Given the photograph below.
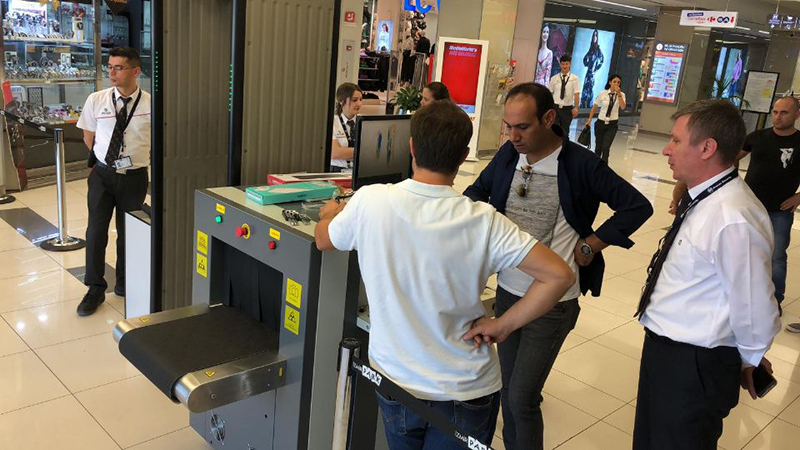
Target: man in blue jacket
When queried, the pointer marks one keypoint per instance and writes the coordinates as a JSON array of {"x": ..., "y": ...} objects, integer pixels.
[{"x": 551, "y": 188}]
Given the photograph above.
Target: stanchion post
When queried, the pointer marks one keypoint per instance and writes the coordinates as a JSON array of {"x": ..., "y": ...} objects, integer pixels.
[
  {"x": 62, "y": 243},
  {"x": 4, "y": 198},
  {"x": 345, "y": 393}
]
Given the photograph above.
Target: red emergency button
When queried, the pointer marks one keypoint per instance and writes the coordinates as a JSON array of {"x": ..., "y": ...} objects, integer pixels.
[
  {"x": 243, "y": 231},
  {"x": 272, "y": 245}
]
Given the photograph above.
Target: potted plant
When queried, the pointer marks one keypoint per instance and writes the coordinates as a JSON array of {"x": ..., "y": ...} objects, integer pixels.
[{"x": 407, "y": 100}]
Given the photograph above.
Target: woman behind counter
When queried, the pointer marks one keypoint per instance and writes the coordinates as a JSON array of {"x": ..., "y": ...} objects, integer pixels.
[
  {"x": 434, "y": 91},
  {"x": 611, "y": 101},
  {"x": 348, "y": 103}
]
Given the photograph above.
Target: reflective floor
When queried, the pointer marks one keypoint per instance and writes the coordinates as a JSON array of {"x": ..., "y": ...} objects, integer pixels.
[{"x": 63, "y": 383}]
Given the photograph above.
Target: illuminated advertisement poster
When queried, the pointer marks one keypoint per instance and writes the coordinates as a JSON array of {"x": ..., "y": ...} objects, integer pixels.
[
  {"x": 552, "y": 46},
  {"x": 591, "y": 59},
  {"x": 461, "y": 66},
  {"x": 666, "y": 72},
  {"x": 385, "y": 33}
]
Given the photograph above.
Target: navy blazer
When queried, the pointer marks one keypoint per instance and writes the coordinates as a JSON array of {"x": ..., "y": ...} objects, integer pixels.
[{"x": 584, "y": 181}]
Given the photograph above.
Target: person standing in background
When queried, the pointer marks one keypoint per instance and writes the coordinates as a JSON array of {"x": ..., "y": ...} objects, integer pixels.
[
  {"x": 116, "y": 128},
  {"x": 565, "y": 87},
  {"x": 611, "y": 101}
]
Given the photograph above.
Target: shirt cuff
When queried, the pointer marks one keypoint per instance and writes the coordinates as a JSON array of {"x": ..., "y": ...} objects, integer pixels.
[{"x": 751, "y": 357}]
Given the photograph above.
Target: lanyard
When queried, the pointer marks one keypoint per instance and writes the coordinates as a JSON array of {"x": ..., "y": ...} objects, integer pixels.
[
  {"x": 344, "y": 127},
  {"x": 713, "y": 188},
  {"x": 133, "y": 109}
]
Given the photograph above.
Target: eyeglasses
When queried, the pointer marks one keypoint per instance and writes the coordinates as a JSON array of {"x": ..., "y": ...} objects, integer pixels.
[
  {"x": 527, "y": 174},
  {"x": 118, "y": 68}
]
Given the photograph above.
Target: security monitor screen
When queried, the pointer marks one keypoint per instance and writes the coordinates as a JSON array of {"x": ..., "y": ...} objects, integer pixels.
[{"x": 382, "y": 153}]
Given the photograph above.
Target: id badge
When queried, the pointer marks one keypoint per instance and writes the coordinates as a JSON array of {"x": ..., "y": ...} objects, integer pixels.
[{"x": 123, "y": 163}]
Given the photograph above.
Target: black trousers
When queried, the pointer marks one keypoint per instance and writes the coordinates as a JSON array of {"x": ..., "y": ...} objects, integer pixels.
[
  {"x": 604, "y": 136},
  {"x": 684, "y": 393},
  {"x": 109, "y": 190},
  {"x": 564, "y": 118},
  {"x": 526, "y": 358}
]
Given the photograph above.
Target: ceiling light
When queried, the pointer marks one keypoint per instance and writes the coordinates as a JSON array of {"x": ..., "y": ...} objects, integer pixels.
[
  {"x": 742, "y": 28},
  {"x": 764, "y": 32},
  {"x": 621, "y": 5}
]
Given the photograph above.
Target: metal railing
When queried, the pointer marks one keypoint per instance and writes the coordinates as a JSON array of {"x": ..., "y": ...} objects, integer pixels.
[{"x": 63, "y": 242}]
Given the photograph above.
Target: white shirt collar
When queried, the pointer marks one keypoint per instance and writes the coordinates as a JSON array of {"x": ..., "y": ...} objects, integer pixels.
[
  {"x": 428, "y": 190},
  {"x": 550, "y": 159},
  {"x": 345, "y": 119},
  {"x": 119, "y": 95},
  {"x": 695, "y": 191}
]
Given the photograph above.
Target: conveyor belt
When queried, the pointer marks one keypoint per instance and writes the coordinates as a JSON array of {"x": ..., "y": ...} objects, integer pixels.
[{"x": 165, "y": 352}]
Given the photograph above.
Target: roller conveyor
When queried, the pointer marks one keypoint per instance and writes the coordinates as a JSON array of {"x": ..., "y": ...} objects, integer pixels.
[{"x": 204, "y": 357}]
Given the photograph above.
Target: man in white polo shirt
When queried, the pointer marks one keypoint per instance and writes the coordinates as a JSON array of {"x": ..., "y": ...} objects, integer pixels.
[
  {"x": 116, "y": 128},
  {"x": 425, "y": 253}
]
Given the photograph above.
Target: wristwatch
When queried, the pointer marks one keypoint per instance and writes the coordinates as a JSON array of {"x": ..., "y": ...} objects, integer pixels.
[{"x": 586, "y": 249}]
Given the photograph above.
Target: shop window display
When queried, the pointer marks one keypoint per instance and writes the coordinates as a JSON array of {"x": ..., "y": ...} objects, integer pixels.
[{"x": 553, "y": 45}]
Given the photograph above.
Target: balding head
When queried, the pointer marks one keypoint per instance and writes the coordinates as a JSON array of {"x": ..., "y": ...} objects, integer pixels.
[{"x": 785, "y": 112}]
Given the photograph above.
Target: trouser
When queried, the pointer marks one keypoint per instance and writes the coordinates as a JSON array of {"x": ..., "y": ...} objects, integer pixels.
[
  {"x": 685, "y": 392},
  {"x": 109, "y": 190},
  {"x": 603, "y": 137},
  {"x": 526, "y": 358},
  {"x": 408, "y": 431},
  {"x": 564, "y": 118},
  {"x": 782, "y": 225}
]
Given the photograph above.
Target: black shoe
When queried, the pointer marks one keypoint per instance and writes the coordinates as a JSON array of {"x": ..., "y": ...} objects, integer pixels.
[
  {"x": 120, "y": 291},
  {"x": 89, "y": 304}
]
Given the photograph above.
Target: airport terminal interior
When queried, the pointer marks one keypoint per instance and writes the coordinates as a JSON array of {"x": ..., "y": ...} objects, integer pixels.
[{"x": 97, "y": 382}]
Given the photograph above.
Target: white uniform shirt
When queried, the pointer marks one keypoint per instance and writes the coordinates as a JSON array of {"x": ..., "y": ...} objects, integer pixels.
[
  {"x": 564, "y": 237},
  {"x": 603, "y": 99},
  {"x": 715, "y": 288},
  {"x": 100, "y": 116},
  {"x": 573, "y": 87},
  {"x": 341, "y": 138},
  {"x": 425, "y": 254}
]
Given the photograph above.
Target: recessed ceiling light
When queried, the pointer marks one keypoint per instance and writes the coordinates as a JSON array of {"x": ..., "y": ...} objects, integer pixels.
[{"x": 621, "y": 5}]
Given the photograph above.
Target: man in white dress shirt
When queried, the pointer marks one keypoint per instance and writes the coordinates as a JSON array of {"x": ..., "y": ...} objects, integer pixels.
[
  {"x": 708, "y": 307},
  {"x": 566, "y": 89},
  {"x": 116, "y": 128}
]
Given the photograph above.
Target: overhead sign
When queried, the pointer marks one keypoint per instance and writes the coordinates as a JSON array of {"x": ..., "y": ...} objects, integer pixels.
[
  {"x": 417, "y": 6},
  {"x": 712, "y": 19},
  {"x": 783, "y": 22}
]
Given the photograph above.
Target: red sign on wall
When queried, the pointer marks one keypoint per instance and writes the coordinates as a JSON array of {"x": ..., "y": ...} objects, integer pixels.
[{"x": 350, "y": 17}]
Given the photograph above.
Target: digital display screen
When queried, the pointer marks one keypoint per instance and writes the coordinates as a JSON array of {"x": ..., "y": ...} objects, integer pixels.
[
  {"x": 666, "y": 72},
  {"x": 591, "y": 60},
  {"x": 382, "y": 153},
  {"x": 461, "y": 70}
]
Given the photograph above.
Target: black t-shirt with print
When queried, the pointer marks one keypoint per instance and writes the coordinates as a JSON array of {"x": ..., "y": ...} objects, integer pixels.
[{"x": 774, "y": 171}]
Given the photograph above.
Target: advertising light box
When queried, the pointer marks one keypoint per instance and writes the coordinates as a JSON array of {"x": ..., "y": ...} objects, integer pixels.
[{"x": 665, "y": 74}]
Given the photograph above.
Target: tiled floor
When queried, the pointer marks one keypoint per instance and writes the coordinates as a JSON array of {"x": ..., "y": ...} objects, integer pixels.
[{"x": 63, "y": 383}]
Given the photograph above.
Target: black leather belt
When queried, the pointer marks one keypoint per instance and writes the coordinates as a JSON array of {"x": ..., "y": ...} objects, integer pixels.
[{"x": 105, "y": 166}]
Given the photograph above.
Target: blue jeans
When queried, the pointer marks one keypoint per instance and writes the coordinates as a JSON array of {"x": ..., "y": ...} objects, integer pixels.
[
  {"x": 406, "y": 430},
  {"x": 782, "y": 224}
]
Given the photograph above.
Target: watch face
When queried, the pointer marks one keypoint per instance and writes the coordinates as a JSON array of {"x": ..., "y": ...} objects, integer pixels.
[{"x": 586, "y": 250}]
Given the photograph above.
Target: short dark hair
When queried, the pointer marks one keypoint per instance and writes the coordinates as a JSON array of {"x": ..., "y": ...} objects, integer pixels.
[
  {"x": 343, "y": 92},
  {"x": 611, "y": 78},
  {"x": 792, "y": 99},
  {"x": 439, "y": 91},
  {"x": 441, "y": 132},
  {"x": 128, "y": 53},
  {"x": 719, "y": 120},
  {"x": 566, "y": 58},
  {"x": 540, "y": 94}
]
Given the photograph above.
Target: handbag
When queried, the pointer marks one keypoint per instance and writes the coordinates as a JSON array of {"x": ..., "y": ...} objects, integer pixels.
[{"x": 585, "y": 138}]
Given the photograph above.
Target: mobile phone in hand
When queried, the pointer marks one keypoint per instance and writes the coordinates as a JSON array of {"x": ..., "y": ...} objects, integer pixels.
[{"x": 763, "y": 381}]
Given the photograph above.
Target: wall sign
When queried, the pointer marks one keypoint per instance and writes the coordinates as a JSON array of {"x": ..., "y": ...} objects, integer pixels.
[
  {"x": 415, "y": 5},
  {"x": 712, "y": 19},
  {"x": 666, "y": 72},
  {"x": 783, "y": 22},
  {"x": 759, "y": 90}
]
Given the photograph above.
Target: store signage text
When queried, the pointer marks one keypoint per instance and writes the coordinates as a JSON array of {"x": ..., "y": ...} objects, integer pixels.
[
  {"x": 783, "y": 22},
  {"x": 415, "y": 5},
  {"x": 711, "y": 19}
]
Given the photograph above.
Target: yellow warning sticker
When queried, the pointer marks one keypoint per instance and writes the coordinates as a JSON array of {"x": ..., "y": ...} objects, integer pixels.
[
  {"x": 294, "y": 292},
  {"x": 144, "y": 319},
  {"x": 202, "y": 265},
  {"x": 210, "y": 373},
  {"x": 220, "y": 208},
  {"x": 275, "y": 234},
  {"x": 291, "y": 320},
  {"x": 202, "y": 242}
]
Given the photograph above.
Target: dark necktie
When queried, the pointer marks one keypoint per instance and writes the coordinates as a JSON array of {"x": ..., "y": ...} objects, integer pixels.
[
  {"x": 351, "y": 137},
  {"x": 654, "y": 269},
  {"x": 611, "y": 98},
  {"x": 563, "y": 86},
  {"x": 117, "y": 137}
]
